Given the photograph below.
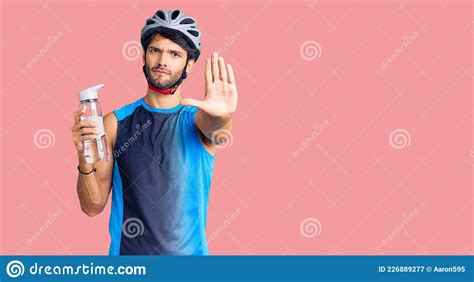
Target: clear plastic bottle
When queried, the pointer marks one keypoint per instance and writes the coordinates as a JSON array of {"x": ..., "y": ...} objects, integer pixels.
[{"x": 94, "y": 150}]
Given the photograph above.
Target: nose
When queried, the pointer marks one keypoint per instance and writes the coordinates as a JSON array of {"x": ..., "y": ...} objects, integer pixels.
[{"x": 162, "y": 60}]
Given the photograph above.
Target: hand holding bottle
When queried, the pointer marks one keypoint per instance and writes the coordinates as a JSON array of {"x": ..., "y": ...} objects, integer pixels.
[{"x": 83, "y": 130}]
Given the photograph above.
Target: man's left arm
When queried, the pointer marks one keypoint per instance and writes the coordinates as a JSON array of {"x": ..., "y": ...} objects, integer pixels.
[{"x": 220, "y": 101}]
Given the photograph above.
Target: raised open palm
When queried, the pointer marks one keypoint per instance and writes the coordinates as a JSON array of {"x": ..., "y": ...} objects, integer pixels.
[{"x": 220, "y": 91}]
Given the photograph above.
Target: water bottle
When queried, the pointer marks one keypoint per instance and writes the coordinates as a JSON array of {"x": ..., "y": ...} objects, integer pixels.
[{"x": 95, "y": 149}]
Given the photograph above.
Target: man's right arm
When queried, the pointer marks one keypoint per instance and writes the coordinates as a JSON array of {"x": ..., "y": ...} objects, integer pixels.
[{"x": 93, "y": 189}]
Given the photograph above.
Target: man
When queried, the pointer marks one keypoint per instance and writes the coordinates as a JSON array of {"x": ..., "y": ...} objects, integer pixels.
[{"x": 162, "y": 147}]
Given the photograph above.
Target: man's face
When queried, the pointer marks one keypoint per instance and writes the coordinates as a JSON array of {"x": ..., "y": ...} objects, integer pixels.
[{"x": 164, "y": 62}]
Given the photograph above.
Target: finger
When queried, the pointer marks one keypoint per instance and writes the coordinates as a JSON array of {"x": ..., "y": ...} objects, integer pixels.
[
  {"x": 230, "y": 72},
  {"x": 208, "y": 71},
  {"x": 191, "y": 102},
  {"x": 222, "y": 71},
  {"x": 214, "y": 66},
  {"x": 85, "y": 131},
  {"x": 87, "y": 137},
  {"x": 77, "y": 115},
  {"x": 84, "y": 123}
]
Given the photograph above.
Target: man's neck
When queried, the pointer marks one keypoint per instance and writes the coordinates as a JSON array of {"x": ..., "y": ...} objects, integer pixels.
[{"x": 162, "y": 101}]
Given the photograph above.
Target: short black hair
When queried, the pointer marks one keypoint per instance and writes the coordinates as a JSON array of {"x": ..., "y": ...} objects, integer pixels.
[{"x": 175, "y": 36}]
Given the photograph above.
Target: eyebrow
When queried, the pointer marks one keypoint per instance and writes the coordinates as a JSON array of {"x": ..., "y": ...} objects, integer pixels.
[{"x": 169, "y": 50}]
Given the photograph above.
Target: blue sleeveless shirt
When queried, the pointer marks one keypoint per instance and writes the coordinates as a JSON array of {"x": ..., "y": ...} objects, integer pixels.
[{"x": 161, "y": 180}]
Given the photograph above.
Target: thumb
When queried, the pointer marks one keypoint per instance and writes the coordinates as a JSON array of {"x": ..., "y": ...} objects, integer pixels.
[{"x": 191, "y": 102}]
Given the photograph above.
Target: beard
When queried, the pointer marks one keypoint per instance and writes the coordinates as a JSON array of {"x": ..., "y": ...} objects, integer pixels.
[{"x": 160, "y": 82}]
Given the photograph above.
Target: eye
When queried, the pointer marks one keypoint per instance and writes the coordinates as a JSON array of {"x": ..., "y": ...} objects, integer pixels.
[
  {"x": 175, "y": 54},
  {"x": 154, "y": 50}
]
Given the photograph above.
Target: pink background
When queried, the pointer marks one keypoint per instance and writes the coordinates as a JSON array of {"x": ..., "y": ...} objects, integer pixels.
[{"x": 336, "y": 149}]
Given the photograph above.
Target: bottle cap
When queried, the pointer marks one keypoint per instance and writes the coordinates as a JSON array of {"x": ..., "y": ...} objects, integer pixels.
[{"x": 90, "y": 93}]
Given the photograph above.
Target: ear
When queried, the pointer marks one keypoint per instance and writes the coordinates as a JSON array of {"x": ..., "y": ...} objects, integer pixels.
[
  {"x": 190, "y": 66},
  {"x": 143, "y": 58}
]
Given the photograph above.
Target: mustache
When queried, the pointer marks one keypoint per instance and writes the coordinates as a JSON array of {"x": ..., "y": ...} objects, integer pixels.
[{"x": 161, "y": 69}]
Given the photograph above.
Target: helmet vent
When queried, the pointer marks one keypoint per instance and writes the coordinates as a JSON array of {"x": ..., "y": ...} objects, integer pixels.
[
  {"x": 161, "y": 15},
  {"x": 187, "y": 21},
  {"x": 174, "y": 14},
  {"x": 193, "y": 32}
]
